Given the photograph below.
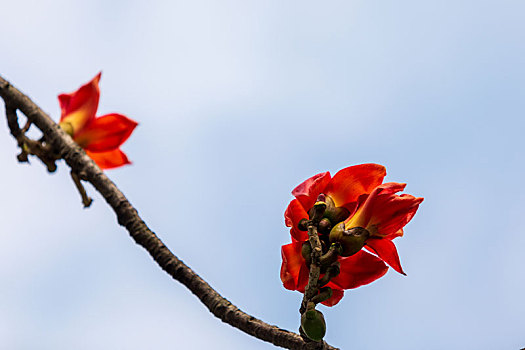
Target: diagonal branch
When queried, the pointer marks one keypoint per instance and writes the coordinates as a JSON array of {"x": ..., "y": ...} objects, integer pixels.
[{"x": 127, "y": 216}]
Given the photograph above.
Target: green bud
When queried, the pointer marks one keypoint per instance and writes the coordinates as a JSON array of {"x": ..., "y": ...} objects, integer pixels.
[
  {"x": 324, "y": 226},
  {"x": 316, "y": 212},
  {"x": 351, "y": 240},
  {"x": 331, "y": 255},
  {"x": 336, "y": 214},
  {"x": 313, "y": 324},
  {"x": 333, "y": 213},
  {"x": 306, "y": 252},
  {"x": 303, "y": 225}
]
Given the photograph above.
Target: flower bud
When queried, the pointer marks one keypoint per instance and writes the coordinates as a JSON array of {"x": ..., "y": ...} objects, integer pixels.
[
  {"x": 306, "y": 252},
  {"x": 339, "y": 214},
  {"x": 303, "y": 225},
  {"x": 313, "y": 324},
  {"x": 331, "y": 255},
  {"x": 335, "y": 214},
  {"x": 351, "y": 240},
  {"x": 324, "y": 226},
  {"x": 316, "y": 212}
]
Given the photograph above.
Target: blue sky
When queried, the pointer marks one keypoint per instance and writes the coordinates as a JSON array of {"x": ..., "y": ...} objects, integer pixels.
[{"x": 238, "y": 102}]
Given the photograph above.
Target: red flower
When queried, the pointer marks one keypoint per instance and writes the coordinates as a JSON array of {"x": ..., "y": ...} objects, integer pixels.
[
  {"x": 100, "y": 136},
  {"x": 358, "y": 192},
  {"x": 384, "y": 214}
]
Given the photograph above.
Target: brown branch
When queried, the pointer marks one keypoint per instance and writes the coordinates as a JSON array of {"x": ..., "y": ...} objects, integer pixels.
[
  {"x": 315, "y": 268},
  {"x": 311, "y": 288},
  {"x": 61, "y": 144}
]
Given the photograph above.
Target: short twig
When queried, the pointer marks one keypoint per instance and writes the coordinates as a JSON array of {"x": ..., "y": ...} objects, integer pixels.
[{"x": 86, "y": 200}]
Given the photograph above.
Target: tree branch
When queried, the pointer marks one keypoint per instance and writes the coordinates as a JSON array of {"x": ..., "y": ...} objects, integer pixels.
[{"x": 63, "y": 146}]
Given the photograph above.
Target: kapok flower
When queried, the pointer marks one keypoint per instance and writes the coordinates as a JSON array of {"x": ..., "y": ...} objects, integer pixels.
[
  {"x": 101, "y": 137},
  {"x": 356, "y": 198},
  {"x": 383, "y": 214}
]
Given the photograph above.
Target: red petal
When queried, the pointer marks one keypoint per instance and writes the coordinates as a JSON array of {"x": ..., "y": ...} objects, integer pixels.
[
  {"x": 110, "y": 159},
  {"x": 390, "y": 212},
  {"x": 337, "y": 294},
  {"x": 349, "y": 183},
  {"x": 384, "y": 213},
  {"x": 293, "y": 214},
  {"x": 308, "y": 191},
  {"x": 386, "y": 250},
  {"x": 366, "y": 204},
  {"x": 78, "y": 108},
  {"x": 391, "y": 236},
  {"x": 359, "y": 269},
  {"x": 105, "y": 133},
  {"x": 294, "y": 272},
  {"x": 391, "y": 188}
]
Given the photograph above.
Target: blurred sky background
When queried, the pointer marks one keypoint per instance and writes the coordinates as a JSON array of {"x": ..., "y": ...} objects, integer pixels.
[{"x": 238, "y": 102}]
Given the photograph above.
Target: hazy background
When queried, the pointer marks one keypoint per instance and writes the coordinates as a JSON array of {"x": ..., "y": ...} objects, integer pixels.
[{"x": 238, "y": 102}]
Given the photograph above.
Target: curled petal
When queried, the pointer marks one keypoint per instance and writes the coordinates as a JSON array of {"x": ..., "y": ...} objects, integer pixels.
[
  {"x": 349, "y": 183},
  {"x": 109, "y": 159},
  {"x": 294, "y": 272},
  {"x": 367, "y": 204},
  {"x": 391, "y": 188},
  {"x": 105, "y": 133},
  {"x": 391, "y": 212},
  {"x": 308, "y": 191},
  {"x": 359, "y": 269},
  {"x": 394, "y": 213},
  {"x": 391, "y": 236},
  {"x": 293, "y": 214},
  {"x": 384, "y": 213},
  {"x": 386, "y": 250},
  {"x": 78, "y": 108}
]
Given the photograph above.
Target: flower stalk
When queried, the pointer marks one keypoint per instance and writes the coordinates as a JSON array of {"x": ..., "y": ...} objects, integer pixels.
[
  {"x": 313, "y": 325},
  {"x": 315, "y": 267}
]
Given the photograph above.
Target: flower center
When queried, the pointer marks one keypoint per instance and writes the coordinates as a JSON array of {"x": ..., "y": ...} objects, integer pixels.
[{"x": 331, "y": 217}]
